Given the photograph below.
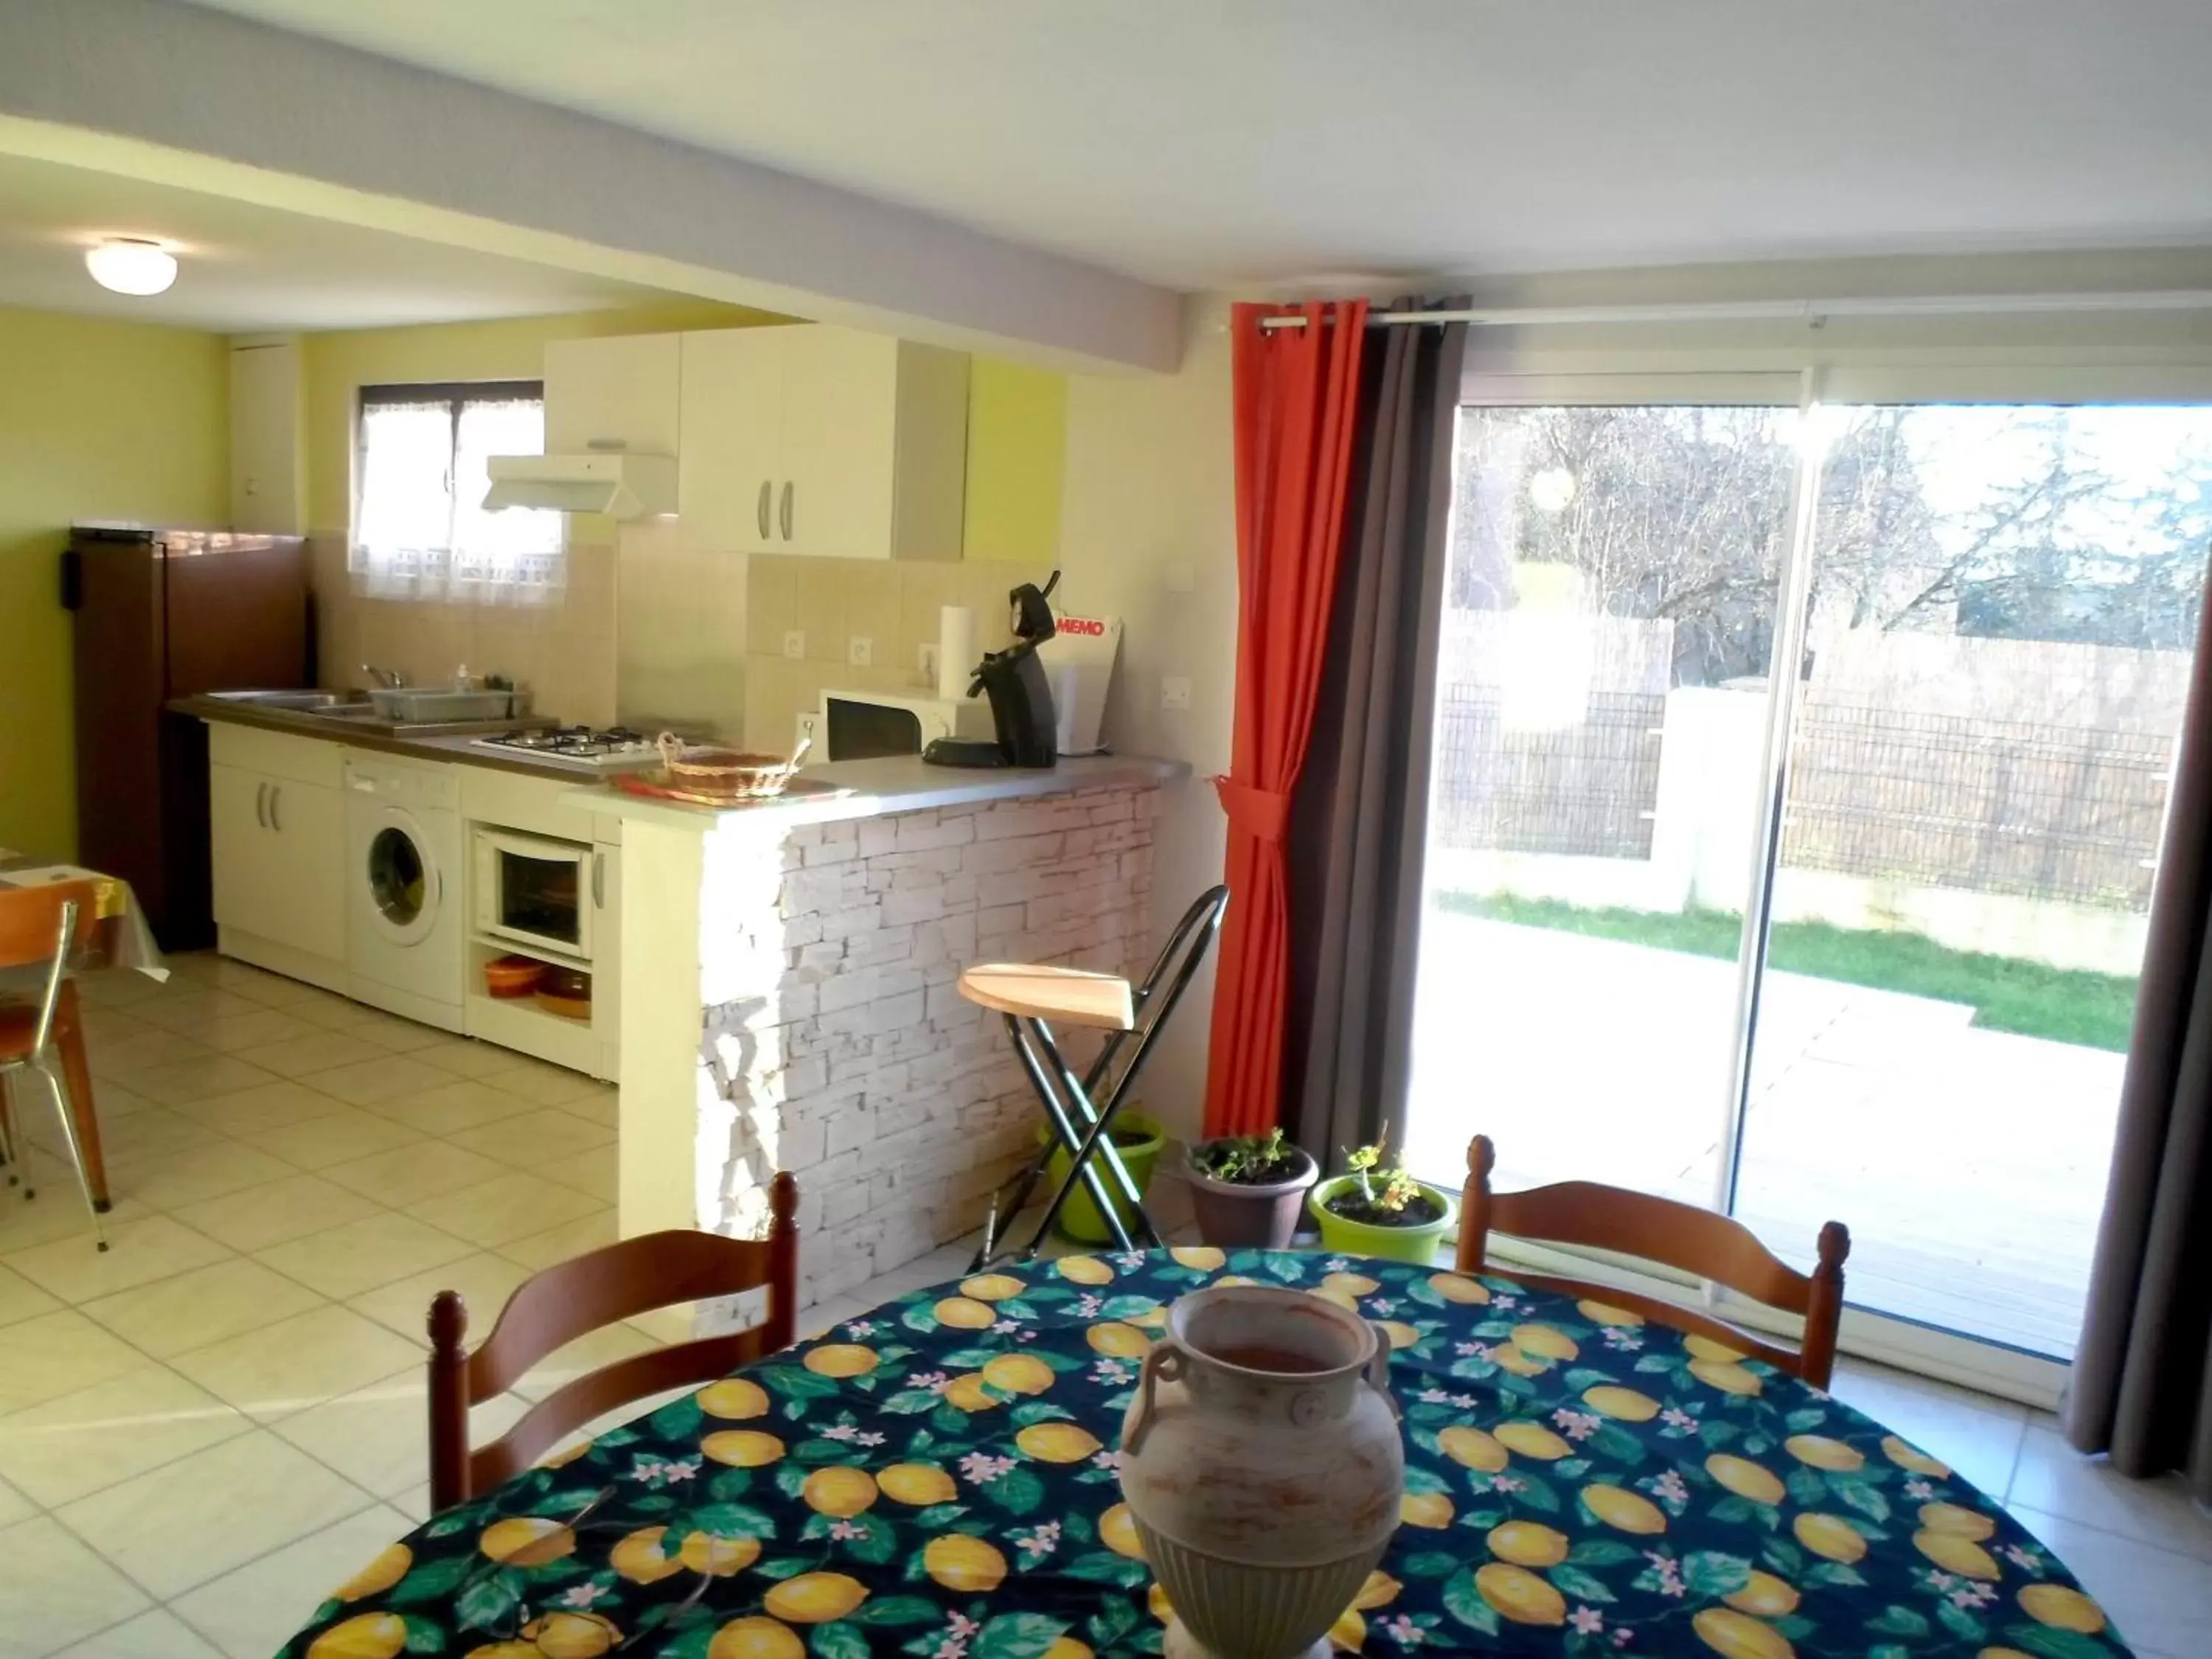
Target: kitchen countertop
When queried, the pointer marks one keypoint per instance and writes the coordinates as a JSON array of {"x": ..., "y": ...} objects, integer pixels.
[
  {"x": 452, "y": 748},
  {"x": 895, "y": 784}
]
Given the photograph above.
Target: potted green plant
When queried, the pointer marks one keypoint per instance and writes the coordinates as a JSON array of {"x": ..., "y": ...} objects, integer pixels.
[
  {"x": 1138, "y": 1140},
  {"x": 1248, "y": 1189},
  {"x": 1371, "y": 1210}
]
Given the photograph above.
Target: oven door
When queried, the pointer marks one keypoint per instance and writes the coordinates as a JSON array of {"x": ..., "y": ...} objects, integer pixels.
[{"x": 533, "y": 892}]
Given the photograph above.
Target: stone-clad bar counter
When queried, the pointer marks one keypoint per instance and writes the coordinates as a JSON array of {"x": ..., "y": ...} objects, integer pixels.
[{"x": 788, "y": 999}]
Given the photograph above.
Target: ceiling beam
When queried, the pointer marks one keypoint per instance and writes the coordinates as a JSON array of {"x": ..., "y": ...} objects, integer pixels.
[{"x": 202, "y": 100}]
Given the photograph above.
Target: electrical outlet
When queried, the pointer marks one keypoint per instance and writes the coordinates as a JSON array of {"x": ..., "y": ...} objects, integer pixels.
[
  {"x": 794, "y": 643},
  {"x": 860, "y": 650},
  {"x": 926, "y": 658},
  {"x": 1175, "y": 691}
]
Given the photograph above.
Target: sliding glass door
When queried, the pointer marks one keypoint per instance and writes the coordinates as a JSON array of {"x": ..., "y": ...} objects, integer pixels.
[{"x": 1939, "y": 818}]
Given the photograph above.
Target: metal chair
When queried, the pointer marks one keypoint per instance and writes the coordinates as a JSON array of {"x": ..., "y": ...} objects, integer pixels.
[
  {"x": 32, "y": 921},
  {"x": 1081, "y": 1116}
]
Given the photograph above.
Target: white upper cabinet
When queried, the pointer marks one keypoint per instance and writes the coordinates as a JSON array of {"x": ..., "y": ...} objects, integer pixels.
[
  {"x": 814, "y": 440},
  {"x": 617, "y": 391}
]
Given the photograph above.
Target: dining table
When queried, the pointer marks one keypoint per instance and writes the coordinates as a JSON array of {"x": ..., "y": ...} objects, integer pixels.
[{"x": 939, "y": 1479}]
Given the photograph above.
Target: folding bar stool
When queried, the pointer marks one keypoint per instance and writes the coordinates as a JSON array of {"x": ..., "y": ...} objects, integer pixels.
[{"x": 1081, "y": 1111}]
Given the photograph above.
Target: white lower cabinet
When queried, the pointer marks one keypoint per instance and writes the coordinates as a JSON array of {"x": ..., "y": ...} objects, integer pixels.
[{"x": 277, "y": 832}]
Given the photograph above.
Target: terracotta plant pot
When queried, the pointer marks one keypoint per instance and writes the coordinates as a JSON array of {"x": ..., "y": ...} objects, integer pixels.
[
  {"x": 1255, "y": 1215},
  {"x": 1345, "y": 1236},
  {"x": 1263, "y": 1468}
]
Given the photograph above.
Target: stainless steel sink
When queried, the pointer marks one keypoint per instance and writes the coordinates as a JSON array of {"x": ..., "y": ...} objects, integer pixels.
[{"x": 298, "y": 703}]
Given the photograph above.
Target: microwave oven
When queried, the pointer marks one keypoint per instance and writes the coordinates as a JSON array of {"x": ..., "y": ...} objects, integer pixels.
[
  {"x": 537, "y": 893},
  {"x": 868, "y": 725}
]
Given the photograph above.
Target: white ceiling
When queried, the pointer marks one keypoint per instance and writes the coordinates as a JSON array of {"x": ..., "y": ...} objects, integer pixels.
[
  {"x": 246, "y": 268},
  {"x": 1233, "y": 142}
]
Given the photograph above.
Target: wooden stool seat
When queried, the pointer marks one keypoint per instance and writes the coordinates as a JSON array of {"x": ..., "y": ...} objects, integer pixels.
[{"x": 1103, "y": 1001}]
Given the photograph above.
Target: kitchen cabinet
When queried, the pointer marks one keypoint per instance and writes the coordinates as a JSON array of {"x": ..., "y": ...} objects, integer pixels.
[
  {"x": 277, "y": 832},
  {"x": 820, "y": 441},
  {"x": 618, "y": 392}
]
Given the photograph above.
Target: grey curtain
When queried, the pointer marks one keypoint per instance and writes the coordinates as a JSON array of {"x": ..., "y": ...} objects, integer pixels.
[
  {"x": 1360, "y": 818},
  {"x": 2142, "y": 1387}
]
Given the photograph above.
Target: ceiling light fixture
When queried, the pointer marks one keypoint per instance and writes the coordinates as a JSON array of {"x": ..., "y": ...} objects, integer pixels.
[{"x": 130, "y": 264}]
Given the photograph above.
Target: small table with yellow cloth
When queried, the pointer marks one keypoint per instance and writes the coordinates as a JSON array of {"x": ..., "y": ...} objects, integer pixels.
[{"x": 938, "y": 1480}]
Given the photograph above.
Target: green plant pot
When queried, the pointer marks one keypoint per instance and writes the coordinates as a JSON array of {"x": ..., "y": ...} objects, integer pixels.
[
  {"x": 1079, "y": 1218},
  {"x": 1342, "y": 1236}
]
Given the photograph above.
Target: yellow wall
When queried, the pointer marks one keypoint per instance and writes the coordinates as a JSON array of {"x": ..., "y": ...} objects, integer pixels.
[
  {"x": 98, "y": 420},
  {"x": 1017, "y": 460},
  {"x": 339, "y": 363}
]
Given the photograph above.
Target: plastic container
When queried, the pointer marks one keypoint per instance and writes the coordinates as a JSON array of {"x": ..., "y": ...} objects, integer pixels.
[
  {"x": 512, "y": 976},
  {"x": 1079, "y": 1218},
  {"x": 1343, "y": 1236}
]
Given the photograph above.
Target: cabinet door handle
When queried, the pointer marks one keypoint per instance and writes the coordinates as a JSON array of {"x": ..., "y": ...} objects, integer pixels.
[
  {"x": 786, "y": 509},
  {"x": 261, "y": 804},
  {"x": 760, "y": 512},
  {"x": 276, "y": 795},
  {"x": 599, "y": 881}
]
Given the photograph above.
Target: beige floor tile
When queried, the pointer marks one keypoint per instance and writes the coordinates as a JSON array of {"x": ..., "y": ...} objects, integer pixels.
[
  {"x": 586, "y": 1353},
  {"x": 298, "y": 1362},
  {"x": 118, "y": 989},
  {"x": 55, "y": 1591},
  {"x": 513, "y": 1207},
  {"x": 156, "y": 1132},
  {"x": 116, "y": 1101},
  {"x": 484, "y": 1281},
  {"x": 570, "y": 1238},
  {"x": 138, "y": 1253},
  {"x": 461, "y": 1104},
  {"x": 376, "y": 1437},
  {"x": 359, "y": 1256},
  {"x": 277, "y": 1211},
  {"x": 465, "y": 1057},
  {"x": 380, "y": 1078},
  {"x": 344, "y": 1135},
  {"x": 58, "y": 1212},
  {"x": 184, "y": 1080},
  {"x": 235, "y": 1033},
  {"x": 405, "y": 1175},
  {"x": 19, "y": 1297},
  {"x": 1978, "y": 1436},
  {"x": 275, "y": 991},
  {"x": 53, "y": 1355},
  {"x": 14, "y": 1506},
  {"x": 156, "y": 1635},
  {"x": 535, "y": 1138},
  {"x": 415, "y": 1502},
  {"x": 186, "y": 1012},
  {"x": 170, "y": 1180},
  {"x": 546, "y": 1085},
  {"x": 105, "y": 1025},
  {"x": 317, "y": 1051},
  {"x": 136, "y": 1056},
  {"x": 2160, "y": 1600},
  {"x": 252, "y": 1613},
  {"x": 194, "y": 1309},
  {"x": 2054, "y": 1477},
  {"x": 401, "y": 1037},
  {"x": 597, "y": 1172},
  {"x": 206, "y": 1515},
  {"x": 602, "y": 1107},
  {"x": 273, "y": 1104},
  {"x": 67, "y": 1447}
]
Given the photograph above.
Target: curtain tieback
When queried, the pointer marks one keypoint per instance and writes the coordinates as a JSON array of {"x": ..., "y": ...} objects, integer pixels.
[{"x": 1260, "y": 813}]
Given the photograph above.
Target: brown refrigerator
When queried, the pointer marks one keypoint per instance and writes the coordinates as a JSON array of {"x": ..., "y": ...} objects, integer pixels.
[{"x": 164, "y": 613}]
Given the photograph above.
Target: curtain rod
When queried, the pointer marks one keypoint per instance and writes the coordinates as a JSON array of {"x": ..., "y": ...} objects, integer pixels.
[{"x": 1814, "y": 312}]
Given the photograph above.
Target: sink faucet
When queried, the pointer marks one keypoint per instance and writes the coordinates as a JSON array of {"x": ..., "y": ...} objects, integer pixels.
[{"x": 388, "y": 679}]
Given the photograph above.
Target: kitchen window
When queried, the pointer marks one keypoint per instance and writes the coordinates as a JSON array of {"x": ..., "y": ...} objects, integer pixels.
[{"x": 421, "y": 471}]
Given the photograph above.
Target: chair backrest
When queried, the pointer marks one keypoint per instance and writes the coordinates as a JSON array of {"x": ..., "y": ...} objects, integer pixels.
[
  {"x": 570, "y": 1299},
  {"x": 45, "y": 925},
  {"x": 1680, "y": 1235}
]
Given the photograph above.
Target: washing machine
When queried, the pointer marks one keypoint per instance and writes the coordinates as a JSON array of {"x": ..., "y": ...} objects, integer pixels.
[{"x": 406, "y": 920}]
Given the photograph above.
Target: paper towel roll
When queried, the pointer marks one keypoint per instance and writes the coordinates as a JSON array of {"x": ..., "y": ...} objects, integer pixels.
[{"x": 956, "y": 655}]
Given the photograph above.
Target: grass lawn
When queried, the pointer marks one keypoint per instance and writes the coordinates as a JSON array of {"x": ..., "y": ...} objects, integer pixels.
[{"x": 2006, "y": 994}]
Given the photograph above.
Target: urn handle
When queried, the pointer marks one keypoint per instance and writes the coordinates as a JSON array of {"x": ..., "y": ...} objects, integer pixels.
[
  {"x": 1163, "y": 1363},
  {"x": 1378, "y": 1369}
]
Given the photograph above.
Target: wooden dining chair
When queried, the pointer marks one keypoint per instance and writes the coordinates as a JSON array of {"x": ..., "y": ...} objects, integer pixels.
[
  {"x": 42, "y": 1035},
  {"x": 1680, "y": 1235},
  {"x": 574, "y": 1297}
]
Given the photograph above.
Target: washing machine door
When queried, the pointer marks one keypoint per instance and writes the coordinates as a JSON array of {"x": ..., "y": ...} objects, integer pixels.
[{"x": 405, "y": 885}]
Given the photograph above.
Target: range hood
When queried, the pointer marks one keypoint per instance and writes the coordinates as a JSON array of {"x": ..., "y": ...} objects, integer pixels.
[{"x": 616, "y": 483}]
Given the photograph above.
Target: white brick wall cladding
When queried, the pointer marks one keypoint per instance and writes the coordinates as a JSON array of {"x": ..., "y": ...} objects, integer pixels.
[{"x": 835, "y": 1043}]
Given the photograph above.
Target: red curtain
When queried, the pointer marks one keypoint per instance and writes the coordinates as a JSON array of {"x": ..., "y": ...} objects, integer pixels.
[{"x": 1296, "y": 396}]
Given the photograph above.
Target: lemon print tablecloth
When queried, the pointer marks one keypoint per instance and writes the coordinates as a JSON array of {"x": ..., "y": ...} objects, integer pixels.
[{"x": 938, "y": 1480}]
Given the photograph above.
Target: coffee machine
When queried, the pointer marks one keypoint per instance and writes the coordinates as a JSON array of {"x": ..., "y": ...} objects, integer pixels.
[{"x": 1014, "y": 681}]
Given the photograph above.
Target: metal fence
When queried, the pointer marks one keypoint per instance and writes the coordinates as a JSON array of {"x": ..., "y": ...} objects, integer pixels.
[
  {"x": 1589, "y": 787},
  {"x": 1997, "y": 807}
]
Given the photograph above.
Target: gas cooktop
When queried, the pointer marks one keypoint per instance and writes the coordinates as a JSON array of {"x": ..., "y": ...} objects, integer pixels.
[{"x": 610, "y": 749}]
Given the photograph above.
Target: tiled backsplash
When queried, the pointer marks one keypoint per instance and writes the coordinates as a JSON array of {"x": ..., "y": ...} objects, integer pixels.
[{"x": 833, "y": 602}]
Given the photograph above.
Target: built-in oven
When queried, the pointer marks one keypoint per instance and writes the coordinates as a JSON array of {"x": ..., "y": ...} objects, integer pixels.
[{"x": 536, "y": 892}]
